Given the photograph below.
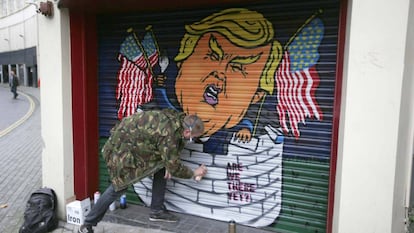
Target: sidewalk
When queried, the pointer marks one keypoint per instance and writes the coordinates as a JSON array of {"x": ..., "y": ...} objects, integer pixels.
[
  {"x": 135, "y": 219},
  {"x": 20, "y": 157},
  {"x": 20, "y": 163}
]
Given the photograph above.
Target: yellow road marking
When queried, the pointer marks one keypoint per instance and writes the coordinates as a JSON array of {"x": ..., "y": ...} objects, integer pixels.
[{"x": 21, "y": 120}]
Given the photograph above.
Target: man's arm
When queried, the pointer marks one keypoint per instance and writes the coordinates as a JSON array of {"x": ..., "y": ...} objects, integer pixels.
[
  {"x": 169, "y": 149},
  {"x": 199, "y": 173}
]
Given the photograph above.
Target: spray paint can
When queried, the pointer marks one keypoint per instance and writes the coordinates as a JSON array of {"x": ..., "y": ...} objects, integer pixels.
[
  {"x": 122, "y": 202},
  {"x": 232, "y": 226},
  {"x": 112, "y": 207},
  {"x": 96, "y": 196}
]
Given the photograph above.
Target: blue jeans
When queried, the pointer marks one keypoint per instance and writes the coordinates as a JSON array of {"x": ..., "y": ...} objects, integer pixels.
[{"x": 110, "y": 195}]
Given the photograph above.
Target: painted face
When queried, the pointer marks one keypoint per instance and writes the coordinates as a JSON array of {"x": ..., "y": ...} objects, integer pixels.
[{"x": 219, "y": 81}]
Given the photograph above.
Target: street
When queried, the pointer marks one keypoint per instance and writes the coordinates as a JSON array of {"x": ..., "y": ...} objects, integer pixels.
[{"x": 20, "y": 156}]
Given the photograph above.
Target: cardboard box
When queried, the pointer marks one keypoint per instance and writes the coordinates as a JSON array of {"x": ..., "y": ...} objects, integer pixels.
[{"x": 77, "y": 210}]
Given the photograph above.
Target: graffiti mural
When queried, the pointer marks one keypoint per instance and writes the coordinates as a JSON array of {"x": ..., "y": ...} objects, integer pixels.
[{"x": 252, "y": 91}]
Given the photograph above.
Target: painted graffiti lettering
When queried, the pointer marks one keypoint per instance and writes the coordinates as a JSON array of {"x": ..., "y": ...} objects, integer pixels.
[
  {"x": 240, "y": 186},
  {"x": 239, "y": 196},
  {"x": 238, "y": 191},
  {"x": 233, "y": 176},
  {"x": 233, "y": 171},
  {"x": 234, "y": 167}
]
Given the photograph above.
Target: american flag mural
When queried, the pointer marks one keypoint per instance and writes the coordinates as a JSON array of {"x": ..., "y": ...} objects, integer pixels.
[
  {"x": 151, "y": 54},
  {"x": 134, "y": 78},
  {"x": 297, "y": 79},
  {"x": 150, "y": 48}
]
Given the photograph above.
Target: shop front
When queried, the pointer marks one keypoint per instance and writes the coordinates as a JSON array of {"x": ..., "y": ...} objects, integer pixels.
[{"x": 264, "y": 78}]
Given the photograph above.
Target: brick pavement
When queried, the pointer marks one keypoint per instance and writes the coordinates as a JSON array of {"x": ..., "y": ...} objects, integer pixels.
[
  {"x": 136, "y": 215},
  {"x": 20, "y": 157},
  {"x": 20, "y": 166},
  {"x": 11, "y": 109}
]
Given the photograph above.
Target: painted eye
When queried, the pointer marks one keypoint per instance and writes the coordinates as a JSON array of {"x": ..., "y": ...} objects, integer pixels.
[
  {"x": 214, "y": 56},
  {"x": 236, "y": 67}
]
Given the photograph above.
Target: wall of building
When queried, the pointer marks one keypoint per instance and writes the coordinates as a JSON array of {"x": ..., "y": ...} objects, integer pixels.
[
  {"x": 369, "y": 197},
  {"x": 370, "y": 161},
  {"x": 56, "y": 102},
  {"x": 8, "y": 7},
  {"x": 18, "y": 42},
  {"x": 403, "y": 179},
  {"x": 19, "y": 30}
]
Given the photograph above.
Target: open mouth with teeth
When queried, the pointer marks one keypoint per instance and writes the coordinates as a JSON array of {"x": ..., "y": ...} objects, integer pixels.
[{"x": 211, "y": 94}]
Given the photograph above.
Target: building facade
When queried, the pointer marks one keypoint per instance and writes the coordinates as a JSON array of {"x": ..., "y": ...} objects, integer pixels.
[
  {"x": 336, "y": 161},
  {"x": 18, "y": 42}
]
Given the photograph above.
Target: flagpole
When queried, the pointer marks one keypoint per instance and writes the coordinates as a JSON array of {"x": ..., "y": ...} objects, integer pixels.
[
  {"x": 149, "y": 28},
  {"x": 144, "y": 54},
  {"x": 256, "y": 122},
  {"x": 320, "y": 11},
  {"x": 142, "y": 49},
  {"x": 317, "y": 13}
]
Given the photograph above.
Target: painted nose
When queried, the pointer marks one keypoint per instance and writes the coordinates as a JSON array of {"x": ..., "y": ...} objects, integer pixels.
[{"x": 219, "y": 75}]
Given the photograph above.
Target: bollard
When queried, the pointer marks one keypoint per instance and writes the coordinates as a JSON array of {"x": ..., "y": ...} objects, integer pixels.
[{"x": 232, "y": 226}]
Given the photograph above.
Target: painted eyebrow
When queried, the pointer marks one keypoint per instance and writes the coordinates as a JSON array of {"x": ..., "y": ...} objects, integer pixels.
[
  {"x": 215, "y": 47},
  {"x": 246, "y": 60}
]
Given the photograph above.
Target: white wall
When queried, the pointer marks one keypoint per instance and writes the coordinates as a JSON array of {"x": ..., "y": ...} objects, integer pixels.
[
  {"x": 368, "y": 194},
  {"x": 56, "y": 102},
  {"x": 19, "y": 30},
  {"x": 406, "y": 132}
]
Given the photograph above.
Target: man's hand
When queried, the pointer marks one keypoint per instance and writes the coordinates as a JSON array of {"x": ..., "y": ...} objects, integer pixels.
[
  {"x": 159, "y": 80},
  {"x": 200, "y": 172},
  {"x": 167, "y": 175},
  {"x": 244, "y": 135}
]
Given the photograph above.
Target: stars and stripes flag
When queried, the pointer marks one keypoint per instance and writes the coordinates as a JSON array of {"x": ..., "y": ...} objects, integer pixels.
[
  {"x": 150, "y": 48},
  {"x": 130, "y": 76},
  {"x": 297, "y": 79},
  {"x": 134, "y": 78},
  {"x": 151, "y": 54}
]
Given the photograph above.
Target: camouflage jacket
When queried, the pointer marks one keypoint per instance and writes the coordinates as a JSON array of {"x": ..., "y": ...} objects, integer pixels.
[{"x": 143, "y": 143}]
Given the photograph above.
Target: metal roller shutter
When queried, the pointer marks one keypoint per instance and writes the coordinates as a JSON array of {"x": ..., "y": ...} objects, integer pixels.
[{"x": 277, "y": 87}]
